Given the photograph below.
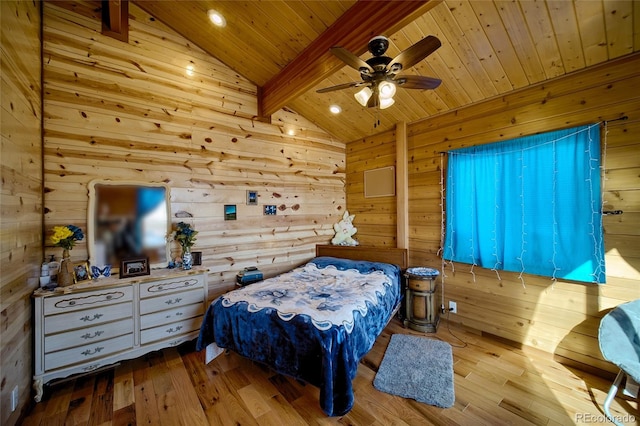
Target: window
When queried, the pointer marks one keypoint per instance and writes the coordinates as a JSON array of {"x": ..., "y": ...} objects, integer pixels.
[{"x": 529, "y": 205}]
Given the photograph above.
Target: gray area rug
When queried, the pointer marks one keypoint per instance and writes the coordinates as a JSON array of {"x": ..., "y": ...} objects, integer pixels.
[{"x": 418, "y": 368}]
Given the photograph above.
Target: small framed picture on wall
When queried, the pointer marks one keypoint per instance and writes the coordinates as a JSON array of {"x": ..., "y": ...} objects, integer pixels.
[
  {"x": 230, "y": 212},
  {"x": 270, "y": 210},
  {"x": 252, "y": 198}
]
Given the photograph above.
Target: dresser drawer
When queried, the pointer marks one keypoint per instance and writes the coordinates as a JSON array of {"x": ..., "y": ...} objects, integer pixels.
[
  {"x": 171, "y": 315},
  {"x": 86, "y": 300},
  {"x": 88, "y": 335},
  {"x": 174, "y": 285},
  {"x": 168, "y": 331},
  {"x": 169, "y": 301},
  {"x": 88, "y": 317},
  {"x": 82, "y": 354}
]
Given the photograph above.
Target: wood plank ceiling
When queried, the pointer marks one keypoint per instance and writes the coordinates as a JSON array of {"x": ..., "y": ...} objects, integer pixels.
[{"x": 489, "y": 48}]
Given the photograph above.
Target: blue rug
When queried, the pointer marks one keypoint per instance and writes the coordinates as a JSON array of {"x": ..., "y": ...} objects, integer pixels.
[{"x": 418, "y": 368}]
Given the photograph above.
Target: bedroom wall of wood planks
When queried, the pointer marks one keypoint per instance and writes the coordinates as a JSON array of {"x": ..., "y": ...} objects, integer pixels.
[
  {"x": 560, "y": 318},
  {"x": 20, "y": 197},
  {"x": 130, "y": 111}
]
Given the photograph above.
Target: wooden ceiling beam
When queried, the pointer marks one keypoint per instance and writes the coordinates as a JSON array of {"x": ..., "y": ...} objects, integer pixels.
[
  {"x": 353, "y": 30},
  {"x": 115, "y": 19}
]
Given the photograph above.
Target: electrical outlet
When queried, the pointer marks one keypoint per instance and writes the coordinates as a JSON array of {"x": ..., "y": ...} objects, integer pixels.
[
  {"x": 453, "y": 307},
  {"x": 14, "y": 399}
]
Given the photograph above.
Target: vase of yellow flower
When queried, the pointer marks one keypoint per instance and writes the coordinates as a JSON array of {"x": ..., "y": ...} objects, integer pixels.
[
  {"x": 66, "y": 237},
  {"x": 186, "y": 236},
  {"x": 65, "y": 276}
]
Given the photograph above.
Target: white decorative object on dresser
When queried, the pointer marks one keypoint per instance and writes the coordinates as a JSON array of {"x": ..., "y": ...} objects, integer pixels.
[{"x": 89, "y": 326}]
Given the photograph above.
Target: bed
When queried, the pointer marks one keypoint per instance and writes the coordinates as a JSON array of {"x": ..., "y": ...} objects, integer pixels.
[{"x": 315, "y": 322}]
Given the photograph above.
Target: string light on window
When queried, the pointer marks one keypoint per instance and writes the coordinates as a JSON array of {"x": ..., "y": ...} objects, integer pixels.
[
  {"x": 495, "y": 222},
  {"x": 553, "y": 217}
]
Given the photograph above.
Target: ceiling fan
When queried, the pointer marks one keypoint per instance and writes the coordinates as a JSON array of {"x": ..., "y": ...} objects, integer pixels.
[{"x": 379, "y": 73}]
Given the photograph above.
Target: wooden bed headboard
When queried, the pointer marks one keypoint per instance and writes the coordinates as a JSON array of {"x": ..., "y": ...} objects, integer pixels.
[{"x": 396, "y": 256}]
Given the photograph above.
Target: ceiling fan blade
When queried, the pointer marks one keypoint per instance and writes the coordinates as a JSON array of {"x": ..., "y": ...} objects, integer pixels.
[
  {"x": 340, "y": 87},
  {"x": 414, "y": 54},
  {"x": 352, "y": 60},
  {"x": 417, "y": 82}
]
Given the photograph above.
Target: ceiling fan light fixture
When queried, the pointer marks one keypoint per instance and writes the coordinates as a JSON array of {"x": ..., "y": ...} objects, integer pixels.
[
  {"x": 217, "y": 18},
  {"x": 386, "y": 102},
  {"x": 386, "y": 90},
  {"x": 363, "y": 96},
  {"x": 378, "y": 73}
]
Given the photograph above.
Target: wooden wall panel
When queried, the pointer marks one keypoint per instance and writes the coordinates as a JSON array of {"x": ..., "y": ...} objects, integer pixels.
[
  {"x": 375, "y": 217},
  {"x": 20, "y": 197},
  {"x": 129, "y": 111},
  {"x": 562, "y": 317}
]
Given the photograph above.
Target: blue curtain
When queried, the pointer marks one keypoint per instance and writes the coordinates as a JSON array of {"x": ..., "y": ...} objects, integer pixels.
[{"x": 530, "y": 205}]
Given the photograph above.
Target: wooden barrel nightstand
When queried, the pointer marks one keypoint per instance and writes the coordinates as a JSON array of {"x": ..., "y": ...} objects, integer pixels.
[{"x": 421, "y": 299}]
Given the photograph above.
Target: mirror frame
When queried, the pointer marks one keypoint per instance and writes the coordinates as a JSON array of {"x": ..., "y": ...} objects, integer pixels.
[{"x": 91, "y": 217}]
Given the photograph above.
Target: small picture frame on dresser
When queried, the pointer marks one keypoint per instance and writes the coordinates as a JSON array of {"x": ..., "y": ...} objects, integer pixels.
[
  {"x": 81, "y": 272},
  {"x": 134, "y": 267},
  {"x": 197, "y": 258}
]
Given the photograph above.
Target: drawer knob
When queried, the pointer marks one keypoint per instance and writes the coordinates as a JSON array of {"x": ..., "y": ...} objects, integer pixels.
[
  {"x": 174, "y": 330},
  {"x": 91, "y": 336},
  {"x": 93, "y": 352},
  {"x": 88, "y": 318},
  {"x": 174, "y": 301}
]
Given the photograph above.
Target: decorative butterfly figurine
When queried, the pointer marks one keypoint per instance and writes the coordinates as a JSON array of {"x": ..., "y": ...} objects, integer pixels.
[{"x": 96, "y": 272}]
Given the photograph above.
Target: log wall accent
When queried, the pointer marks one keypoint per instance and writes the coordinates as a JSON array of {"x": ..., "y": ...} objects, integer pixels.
[
  {"x": 20, "y": 197},
  {"x": 130, "y": 111},
  {"x": 563, "y": 317}
]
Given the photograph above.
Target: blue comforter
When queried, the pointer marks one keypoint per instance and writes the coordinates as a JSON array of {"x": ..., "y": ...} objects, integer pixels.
[{"x": 313, "y": 323}]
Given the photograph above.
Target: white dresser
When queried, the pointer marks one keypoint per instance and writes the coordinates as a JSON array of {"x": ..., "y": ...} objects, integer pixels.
[{"x": 91, "y": 325}]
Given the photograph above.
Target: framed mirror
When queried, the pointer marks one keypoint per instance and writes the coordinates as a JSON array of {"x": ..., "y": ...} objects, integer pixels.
[{"x": 126, "y": 220}]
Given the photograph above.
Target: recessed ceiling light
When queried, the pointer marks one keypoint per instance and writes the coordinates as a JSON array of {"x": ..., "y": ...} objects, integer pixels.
[
  {"x": 217, "y": 19},
  {"x": 335, "y": 109},
  {"x": 190, "y": 69},
  {"x": 291, "y": 132}
]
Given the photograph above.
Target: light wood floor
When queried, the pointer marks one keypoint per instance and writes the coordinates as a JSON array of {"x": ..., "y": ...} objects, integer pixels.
[{"x": 495, "y": 384}]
